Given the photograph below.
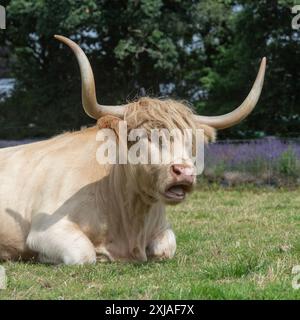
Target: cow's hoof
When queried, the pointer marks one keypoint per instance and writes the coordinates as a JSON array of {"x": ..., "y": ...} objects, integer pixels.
[{"x": 162, "y": 247}]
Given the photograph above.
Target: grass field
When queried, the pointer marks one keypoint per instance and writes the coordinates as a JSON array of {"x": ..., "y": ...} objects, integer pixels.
[{"x": 232, "y": 244}]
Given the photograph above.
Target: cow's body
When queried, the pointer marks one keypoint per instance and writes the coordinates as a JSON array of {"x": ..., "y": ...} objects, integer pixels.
[{"x": 57, "y": 201}]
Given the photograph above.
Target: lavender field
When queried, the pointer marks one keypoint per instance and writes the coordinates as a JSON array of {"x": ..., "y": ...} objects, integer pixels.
[
  {"x": 12, "y": 143},
  {"x": 268, "y": 161}
]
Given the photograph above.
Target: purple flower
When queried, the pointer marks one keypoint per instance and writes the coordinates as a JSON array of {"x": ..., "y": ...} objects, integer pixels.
[{"x": 234, "y": 155}]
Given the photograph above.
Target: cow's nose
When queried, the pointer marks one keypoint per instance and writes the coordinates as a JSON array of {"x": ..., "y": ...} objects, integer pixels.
[{"x": 183, "y": 172}]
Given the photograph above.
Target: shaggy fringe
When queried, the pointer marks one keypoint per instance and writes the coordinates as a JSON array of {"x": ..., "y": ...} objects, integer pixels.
[{"x": 150, "y": 113}]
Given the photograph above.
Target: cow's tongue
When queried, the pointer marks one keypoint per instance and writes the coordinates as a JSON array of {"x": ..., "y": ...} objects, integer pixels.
[{"x": 176, "y": 190}]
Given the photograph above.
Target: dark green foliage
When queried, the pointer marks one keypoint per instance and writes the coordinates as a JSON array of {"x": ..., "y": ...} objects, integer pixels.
[
  {"x": 261, "y": 28},
  {"x": 204, "y": 51}
]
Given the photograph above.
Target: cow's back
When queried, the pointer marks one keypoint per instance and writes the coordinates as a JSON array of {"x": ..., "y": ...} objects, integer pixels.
[{"x": 40, "y": 177}]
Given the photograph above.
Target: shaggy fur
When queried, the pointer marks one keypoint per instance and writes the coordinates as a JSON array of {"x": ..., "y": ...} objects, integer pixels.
[
  {"x": 170, "y": 114},
  {"x": 59, "y": 205}
]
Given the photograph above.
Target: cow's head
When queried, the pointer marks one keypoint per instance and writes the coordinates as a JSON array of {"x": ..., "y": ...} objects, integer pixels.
[
  {"x": 175, "y": 173},
  {"x": 168, "y": 182}
]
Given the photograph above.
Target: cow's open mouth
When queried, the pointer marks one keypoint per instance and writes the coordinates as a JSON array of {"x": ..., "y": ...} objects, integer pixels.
[{"x": 176, "y": 192}]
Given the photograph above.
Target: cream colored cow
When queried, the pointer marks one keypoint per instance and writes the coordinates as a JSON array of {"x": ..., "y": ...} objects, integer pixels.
[{"x": 59, "y": 205}]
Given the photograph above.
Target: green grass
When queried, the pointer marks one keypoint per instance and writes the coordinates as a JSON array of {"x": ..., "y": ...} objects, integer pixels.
[{"x": 232, "y": 244}]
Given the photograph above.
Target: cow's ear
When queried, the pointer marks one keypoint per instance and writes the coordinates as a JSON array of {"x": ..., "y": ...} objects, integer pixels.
[
  {"x": 210, "y": 133},
  {"x": 109, "y": 122}
]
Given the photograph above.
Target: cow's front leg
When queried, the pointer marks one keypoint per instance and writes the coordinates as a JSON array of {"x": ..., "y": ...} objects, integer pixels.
[
  {"x": 162, "y": 246},
  {"x": 60, "y": 242}
]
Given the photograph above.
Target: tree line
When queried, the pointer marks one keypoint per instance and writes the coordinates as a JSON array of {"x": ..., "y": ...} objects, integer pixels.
[{"x": 205, "y": 52}]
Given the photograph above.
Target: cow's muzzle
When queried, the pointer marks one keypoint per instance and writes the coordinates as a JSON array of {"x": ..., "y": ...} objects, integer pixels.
[{"x": 184, "y": 180}]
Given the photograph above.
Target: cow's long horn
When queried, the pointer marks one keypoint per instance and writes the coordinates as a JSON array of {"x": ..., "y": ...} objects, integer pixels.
[
  {"x": 230, "y": 119},
  {"x": 89, "y": 100}
]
